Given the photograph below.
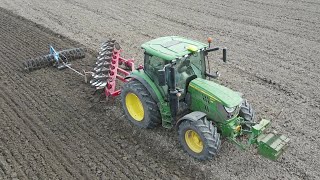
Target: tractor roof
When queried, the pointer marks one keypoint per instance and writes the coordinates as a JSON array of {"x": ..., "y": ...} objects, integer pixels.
[{"x": 171, "y": 47}]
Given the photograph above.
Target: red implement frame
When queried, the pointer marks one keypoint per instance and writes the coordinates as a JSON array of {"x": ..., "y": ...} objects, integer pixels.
[{"x": 116, "y": 72}]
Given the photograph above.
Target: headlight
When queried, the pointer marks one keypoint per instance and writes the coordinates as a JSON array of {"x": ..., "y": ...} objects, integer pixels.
[{"x": 230, "y": 110}]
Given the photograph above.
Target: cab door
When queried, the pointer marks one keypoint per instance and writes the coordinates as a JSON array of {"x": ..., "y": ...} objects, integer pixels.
[{"x": 152, "y": 64}]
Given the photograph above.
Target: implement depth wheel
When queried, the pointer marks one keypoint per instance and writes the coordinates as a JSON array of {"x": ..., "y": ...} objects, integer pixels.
[
  {"x": 199, "y": 138},
  {"x": 139, "y": 106}
]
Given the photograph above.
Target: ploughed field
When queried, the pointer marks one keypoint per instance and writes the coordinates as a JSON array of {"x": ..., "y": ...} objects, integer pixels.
[{"x": 52, "y": 126}]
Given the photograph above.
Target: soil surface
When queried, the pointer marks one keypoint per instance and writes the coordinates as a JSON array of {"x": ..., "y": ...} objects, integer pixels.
[{"x": 51, "y": 125}]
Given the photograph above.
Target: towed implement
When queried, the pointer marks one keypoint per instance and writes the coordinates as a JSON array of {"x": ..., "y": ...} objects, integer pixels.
[
  {"x": 173, "y": 88},
  {"x": 58, "y": 59}
]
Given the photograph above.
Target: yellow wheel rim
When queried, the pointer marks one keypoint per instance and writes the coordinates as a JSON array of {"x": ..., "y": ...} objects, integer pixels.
[
  {"x": 134, "y": 106},
  {"x": 194, "y": 141}
]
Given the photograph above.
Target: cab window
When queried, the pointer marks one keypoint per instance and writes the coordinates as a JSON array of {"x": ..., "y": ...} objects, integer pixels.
[{"x": 152, "y": 65}]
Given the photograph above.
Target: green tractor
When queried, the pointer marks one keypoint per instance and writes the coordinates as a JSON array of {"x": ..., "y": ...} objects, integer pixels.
[{"x": 173, "y": 89}]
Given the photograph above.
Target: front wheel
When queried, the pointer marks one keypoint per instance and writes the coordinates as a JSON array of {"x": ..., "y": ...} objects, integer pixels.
[
  {"x": 199, "y": 139},
  {"x": 247, "y": 113}
]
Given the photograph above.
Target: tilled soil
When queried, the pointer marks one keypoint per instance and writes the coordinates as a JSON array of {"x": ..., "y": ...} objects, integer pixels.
[{"x": 53, "y": 128}]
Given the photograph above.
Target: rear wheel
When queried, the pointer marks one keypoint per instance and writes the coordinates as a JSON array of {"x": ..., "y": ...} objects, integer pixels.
[
  {"x": 139, "y": 106},
  {"x": 199, "y": 138}
]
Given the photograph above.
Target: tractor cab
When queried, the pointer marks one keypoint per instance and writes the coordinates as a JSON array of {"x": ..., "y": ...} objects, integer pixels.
[{"x": 186, "y": 55}]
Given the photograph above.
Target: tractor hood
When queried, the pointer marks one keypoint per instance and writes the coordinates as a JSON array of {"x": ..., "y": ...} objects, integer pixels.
[{"x": 214, "y": 91}]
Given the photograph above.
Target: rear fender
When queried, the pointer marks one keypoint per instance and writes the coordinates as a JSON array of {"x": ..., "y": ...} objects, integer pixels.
[
  {"x": 142, "y": 77},
  {"x": 145, "y": 84}
]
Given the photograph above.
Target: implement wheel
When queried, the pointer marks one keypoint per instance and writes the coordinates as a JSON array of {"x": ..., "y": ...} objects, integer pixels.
[
  {"x": 199, "y": 138},
  {"x": 139, "y": 106}
]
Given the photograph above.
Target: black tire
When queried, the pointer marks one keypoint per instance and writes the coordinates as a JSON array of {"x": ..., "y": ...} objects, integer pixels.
[
  {"x": 209, "y": 136},
  {"x": 247, "y": 113},
  {"x": 152, "y": 117}
]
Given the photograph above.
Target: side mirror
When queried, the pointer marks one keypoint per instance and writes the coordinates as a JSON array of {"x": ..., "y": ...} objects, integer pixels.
[
  {"x": 224, "y": 55},
  {"x": 162, "y": 77}
]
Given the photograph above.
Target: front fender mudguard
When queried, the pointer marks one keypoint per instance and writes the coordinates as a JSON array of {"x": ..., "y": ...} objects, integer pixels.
[{"x": 194, "y": 116}]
